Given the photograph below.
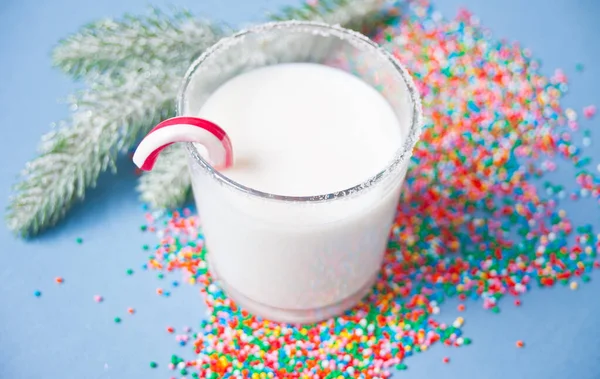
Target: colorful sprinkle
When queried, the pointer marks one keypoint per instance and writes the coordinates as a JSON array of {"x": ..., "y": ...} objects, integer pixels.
[
  {"x": 59, "y": 280},
  {"x": 117, "y": 320},
  {"x": 520, "y": 344},
  {"x": 589, "y": 111},
  {"x": 130, "y": 311},
  {"x": 37, "y": 293},
  {"x": 98, "y": 298}
]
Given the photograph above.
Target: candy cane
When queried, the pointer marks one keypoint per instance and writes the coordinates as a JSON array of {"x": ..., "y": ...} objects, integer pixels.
[{"x": 185, "y": 129}]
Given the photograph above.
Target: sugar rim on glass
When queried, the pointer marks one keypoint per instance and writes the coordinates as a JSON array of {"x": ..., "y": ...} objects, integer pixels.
[{"x": 402, "y": 154}]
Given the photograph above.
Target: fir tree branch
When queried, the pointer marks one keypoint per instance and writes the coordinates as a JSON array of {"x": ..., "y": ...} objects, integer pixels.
[
  {"x": 353, "y": 14},
  {"x": 168, "y": 185},
  {"x": 134, "y": 68},
  {"x": 106, "y": 45},
  {"x": 107, "y": 120}
]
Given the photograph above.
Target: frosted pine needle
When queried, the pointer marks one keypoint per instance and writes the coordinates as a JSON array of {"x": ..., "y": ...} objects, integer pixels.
[
  {"x": 107, "y": 119},
  {"x": 105, "y": 45},
  {"x": 168, "y": 184}
]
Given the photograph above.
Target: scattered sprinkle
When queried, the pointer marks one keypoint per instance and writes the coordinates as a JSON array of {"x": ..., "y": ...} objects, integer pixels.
[
  {"x": 129, "y": 271},
  {"x": 117, "y": 320},
  {"x": 59, "y": 280},
  {"x": 98, "y": 298},
  {"x": 446, "y": 360},
  {"x": 37, "y": 293},
  {"x": 79, "y": 240},
  {"x": 520, "y": 344},
  {"x": 153, "y": 365},
  {"x": 589, "y": 111}
]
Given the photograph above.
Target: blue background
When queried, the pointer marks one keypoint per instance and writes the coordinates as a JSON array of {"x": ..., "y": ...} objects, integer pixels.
[{"x": 65, "y": 334}]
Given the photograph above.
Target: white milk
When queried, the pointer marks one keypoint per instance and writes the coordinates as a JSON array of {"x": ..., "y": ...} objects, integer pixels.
[{"x": 299, "y": 130}]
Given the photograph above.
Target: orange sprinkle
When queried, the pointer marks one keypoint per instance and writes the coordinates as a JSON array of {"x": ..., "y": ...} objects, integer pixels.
[{"x": 59, "y": 280}]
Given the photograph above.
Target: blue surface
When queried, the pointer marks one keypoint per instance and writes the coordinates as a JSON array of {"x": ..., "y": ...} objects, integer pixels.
[{"x": 65, "y": 334}]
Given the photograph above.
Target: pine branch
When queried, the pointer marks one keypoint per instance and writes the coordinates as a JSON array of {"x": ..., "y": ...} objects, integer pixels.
[
  {"x": 106, "y": 45},
  {"x": 353, "y": 14},
  {"x": 134, "y": 68},
  {"x": 107, "y": 120},
  {"x": 168, "y": 184}
]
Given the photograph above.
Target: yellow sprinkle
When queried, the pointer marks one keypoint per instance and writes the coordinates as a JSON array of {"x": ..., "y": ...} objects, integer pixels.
[{"x": 573, "y": 285}]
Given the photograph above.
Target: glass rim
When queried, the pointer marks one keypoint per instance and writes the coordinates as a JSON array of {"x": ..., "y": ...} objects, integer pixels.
[{"x": 401, "y": 155}]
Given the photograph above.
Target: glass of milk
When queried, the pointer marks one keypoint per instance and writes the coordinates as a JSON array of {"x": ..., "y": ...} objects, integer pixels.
[{"x": 322, "y": 123}]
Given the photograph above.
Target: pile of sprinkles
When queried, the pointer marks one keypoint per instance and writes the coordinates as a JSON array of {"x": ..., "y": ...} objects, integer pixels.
[{"x": 476, "y": 219}]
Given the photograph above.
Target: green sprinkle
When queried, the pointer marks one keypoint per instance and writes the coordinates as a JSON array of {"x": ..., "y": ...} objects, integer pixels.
[
  {"x": 153, "y": 364},
  {"x": 117, "y": 320},
  {"x": 129, "y": 271},
  {"x": 585, "y": 278},
  {"x": 79, "y": 240}
]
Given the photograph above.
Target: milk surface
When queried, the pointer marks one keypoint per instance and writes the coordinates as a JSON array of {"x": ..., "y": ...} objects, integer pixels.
[
  {"x": 299, "y": 130},
  {"x": 304, "y": 129}
]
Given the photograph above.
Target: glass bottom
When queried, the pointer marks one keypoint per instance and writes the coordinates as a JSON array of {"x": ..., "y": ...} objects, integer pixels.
[{"x": 291, "y": 316}]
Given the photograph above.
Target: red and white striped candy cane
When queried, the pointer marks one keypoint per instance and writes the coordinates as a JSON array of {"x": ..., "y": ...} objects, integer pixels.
[{"x": 185, "y": 129}]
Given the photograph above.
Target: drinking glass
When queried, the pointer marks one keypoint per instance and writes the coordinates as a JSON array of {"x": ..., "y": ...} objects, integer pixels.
[{"x": 298, "y": 259}]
